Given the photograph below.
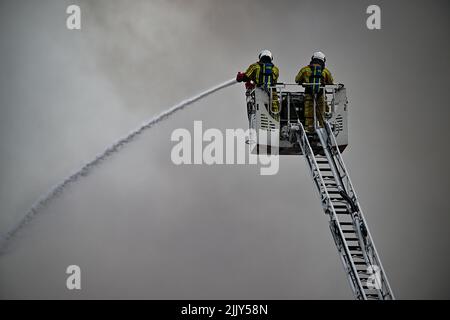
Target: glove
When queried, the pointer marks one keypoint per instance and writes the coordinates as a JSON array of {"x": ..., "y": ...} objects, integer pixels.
[
  {"x": 240, "y": 77},
  {"x": 249, "y": 85}
]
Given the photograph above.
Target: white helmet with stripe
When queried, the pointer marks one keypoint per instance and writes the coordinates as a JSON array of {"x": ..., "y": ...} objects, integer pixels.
[
  {"x": 318, "y": 55},
  {"x": 265, "y": 53}
]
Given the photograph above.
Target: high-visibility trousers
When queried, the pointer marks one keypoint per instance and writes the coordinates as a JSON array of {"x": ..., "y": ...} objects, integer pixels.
[
  {"x": 275, "y": 105},
  {"x": 321, "y": 108}
]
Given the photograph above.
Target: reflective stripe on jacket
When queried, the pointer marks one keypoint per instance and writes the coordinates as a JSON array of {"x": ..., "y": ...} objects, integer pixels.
[
  {"x": 263, "y": 74},
  {"x": 311, "y": 73}
]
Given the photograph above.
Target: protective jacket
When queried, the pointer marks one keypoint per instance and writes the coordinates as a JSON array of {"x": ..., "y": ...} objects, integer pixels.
[
  {"x": 262, "y": 74},
  {"x": 315, "y": 75}
]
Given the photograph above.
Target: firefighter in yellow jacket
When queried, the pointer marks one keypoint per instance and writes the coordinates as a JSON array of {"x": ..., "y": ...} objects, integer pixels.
[
  {"x": 263, "y": 74},
  {"x": 314, "y": 76}
]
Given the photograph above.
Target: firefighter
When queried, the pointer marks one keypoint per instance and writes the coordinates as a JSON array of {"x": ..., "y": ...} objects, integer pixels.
[
  {"x": 263, "y": 74},
  {"x": 314, "y": 76}
]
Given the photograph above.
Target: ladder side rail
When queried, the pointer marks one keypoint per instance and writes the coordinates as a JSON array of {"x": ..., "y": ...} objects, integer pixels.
[
  {"x": 336, "y": 161},
  {"x": 331, "y": 160},
  {"x": 374, "y": 255},
  {"x": 340, "y": 185},
  {"x": 323, "y": 140},
  {"x": 370, "y": 249},
  {"x": 349, "y": 266},
  {"x": 328, "y": 149},
  {"x": 338, "y": 177},
  {"x": 314, "y": 168},
  {"x": 371, "y": 255}
]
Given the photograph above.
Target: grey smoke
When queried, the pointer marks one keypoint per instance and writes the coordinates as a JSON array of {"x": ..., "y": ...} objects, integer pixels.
[
  {"x": 109, "y": 151},
  {"x": 141, "y": 227}
]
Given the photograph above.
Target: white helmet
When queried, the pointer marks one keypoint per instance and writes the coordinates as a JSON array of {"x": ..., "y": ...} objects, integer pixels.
[
  {"x": 319, "y": 55},
  {"x": 265, "y": 53}
]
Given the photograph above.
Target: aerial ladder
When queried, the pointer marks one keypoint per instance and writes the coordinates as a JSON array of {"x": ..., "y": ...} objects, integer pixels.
[{"x": 322, "y": 152}]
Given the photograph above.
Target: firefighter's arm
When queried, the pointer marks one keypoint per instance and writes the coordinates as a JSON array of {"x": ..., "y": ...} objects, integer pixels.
[
  {"x": 251, "y": 71},
  {"x": 276, "y": 74},
  {"x": 328, "y": 77},
  {"x": 248, "y": 75},
  {"x": 299, "y": 77}
]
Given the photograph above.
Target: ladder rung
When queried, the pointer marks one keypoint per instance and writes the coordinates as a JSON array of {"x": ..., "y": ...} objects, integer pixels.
[
  {"x": 359, "y": 263},
  {"x": 348, "y": 231},
  {"x": 346, "y": 223},
  {"x": 340, "y": 207},
  {"x": 354, "y": 248},
  {"x": 362, "y": 275},
  {"x": 352, "y": 239},
  {"x": 367, "y": 288}
]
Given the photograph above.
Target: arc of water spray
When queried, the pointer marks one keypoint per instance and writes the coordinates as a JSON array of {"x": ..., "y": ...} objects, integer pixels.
[{"x": 56, "y": 190}]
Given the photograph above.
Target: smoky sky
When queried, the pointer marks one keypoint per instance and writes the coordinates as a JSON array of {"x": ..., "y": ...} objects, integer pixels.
[{"x": 142, "y": 227}]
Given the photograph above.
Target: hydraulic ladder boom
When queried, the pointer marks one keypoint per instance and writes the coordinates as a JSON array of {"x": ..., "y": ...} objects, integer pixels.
[{"x": 347, "y": 224}]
